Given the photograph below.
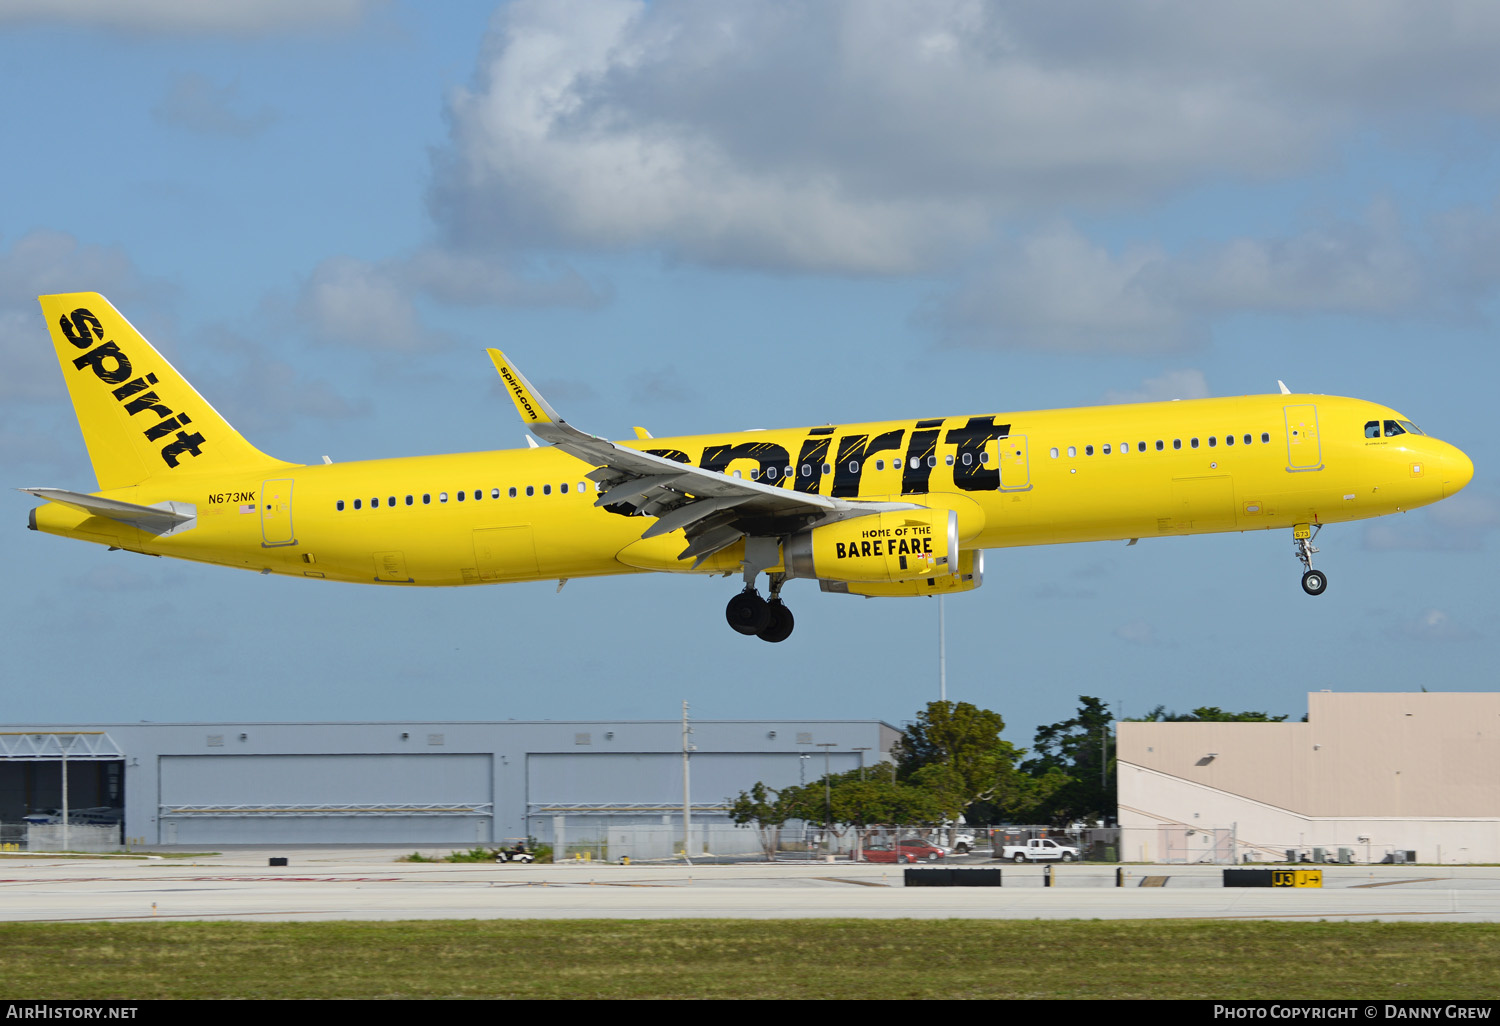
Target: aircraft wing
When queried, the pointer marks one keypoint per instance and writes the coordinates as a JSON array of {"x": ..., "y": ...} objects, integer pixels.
[{"x": 714, "y": 510}]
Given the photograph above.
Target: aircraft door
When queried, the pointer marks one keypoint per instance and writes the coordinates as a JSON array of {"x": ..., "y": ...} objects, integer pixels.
[
  {"x": 276, "y": 513},
  {"x": 504, "y": 552},
  {"x": 1303, "y": 450},
  {"x": 1015, "y": 468}
]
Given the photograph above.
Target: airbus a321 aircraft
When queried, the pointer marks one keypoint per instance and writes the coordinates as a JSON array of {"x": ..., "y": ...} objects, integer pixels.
[{"x": 896, "y": 508}]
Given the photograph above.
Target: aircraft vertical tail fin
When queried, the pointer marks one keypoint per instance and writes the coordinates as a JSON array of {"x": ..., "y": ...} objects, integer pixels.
[{"x": 140, "y": 418}]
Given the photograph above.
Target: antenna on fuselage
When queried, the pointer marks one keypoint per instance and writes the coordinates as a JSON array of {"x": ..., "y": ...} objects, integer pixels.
[{"x": 1282, "y": 385}]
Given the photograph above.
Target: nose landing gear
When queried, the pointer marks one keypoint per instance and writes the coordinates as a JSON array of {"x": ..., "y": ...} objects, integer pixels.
[{"x": 1314, "y": 582}]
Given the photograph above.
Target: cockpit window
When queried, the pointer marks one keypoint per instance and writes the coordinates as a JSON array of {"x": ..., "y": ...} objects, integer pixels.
[
  {"x": 1392, "y": 429},
  {"x": 1410, "y": 427},
  {"x": 1372, "y": 429}
]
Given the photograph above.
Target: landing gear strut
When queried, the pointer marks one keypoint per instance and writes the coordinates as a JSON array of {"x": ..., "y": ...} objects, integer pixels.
[{"x": 1314, "y": 582}]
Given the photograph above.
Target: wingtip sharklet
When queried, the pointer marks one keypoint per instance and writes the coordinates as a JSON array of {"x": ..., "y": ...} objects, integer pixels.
[{"x": 529, "y": 403}]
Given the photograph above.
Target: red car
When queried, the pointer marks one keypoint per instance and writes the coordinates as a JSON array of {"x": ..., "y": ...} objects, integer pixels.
[
  {"x": 885, "y": 853},
  {"x": 907, "y": 851},
  {"x": 921, "y": 849}
]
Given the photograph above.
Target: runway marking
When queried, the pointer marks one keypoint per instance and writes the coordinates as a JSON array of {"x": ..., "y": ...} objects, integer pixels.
[
  {"x": 1392, "y": 883},
  {"x": 861, "y": 883}
]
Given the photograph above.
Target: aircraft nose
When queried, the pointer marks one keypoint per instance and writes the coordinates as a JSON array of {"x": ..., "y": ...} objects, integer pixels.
[{"x": 1458, "y": 470}]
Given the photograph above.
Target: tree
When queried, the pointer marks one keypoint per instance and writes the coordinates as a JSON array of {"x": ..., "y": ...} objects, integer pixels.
[
  {"x": 768, "y": 809},
  {"x": 1079, "y": 749},
  {"x": 954, "y": 751},
  {"x": 1205, "y": 714}
]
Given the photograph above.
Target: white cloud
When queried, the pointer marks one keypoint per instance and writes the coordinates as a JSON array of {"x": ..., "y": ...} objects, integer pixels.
[
  {"x": 890, "y": 135},
  {"x": 1435, "y": 625},
  {"x": 1057, "y": 290},
  {"x": 1175, "y": 384},
  {"x": 353, "y": 302},
  {"x": 1457, "y": 524},
  {"x": 373, "y": 304},
  {"x": 43, "y": 262},
  {"x": 219, "y": 17},
  {"x": 194, "y": 103}
]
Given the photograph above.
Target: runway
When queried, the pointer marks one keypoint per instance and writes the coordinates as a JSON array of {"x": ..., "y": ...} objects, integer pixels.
[{"x": 368, "y": 884}]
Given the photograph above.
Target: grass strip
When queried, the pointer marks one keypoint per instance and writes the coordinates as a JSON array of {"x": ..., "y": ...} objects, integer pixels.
[{"x": 740, "y": 959}]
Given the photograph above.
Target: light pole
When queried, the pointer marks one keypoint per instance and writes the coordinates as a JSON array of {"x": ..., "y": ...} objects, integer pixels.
[
  {"x": 827, "y": 797},
  {"x": 942, "y": 654}
]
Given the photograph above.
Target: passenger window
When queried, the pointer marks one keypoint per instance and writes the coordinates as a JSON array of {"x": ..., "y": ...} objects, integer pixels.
[
  {"x": 854, "y": 466},
  {"x": 1072, "y": 452},
  {"x": 374, "y": 503},
  {"x": 461, "y": 497},
  {"x": 1105, "y": 450},
  {"x": 442, "y": 496},
  {"x": 807, "y": 470},
  {"x": 1372, "y": 429},
  {"x": 582, "y": 487},
  {"x": 564, "y": 486},
  {"x": 426, "y": 498},
  {"x": 530, "y": 490},
  {"x": 1054, "y": 456},
  {"x": 391, "y": 501},
  {"x": 1177, "y": 443},
  {"x": 1212, "y": 441},
  {"x": 1265, "y": 436},
  {"x": 880, "y": 464},
  {"x": 1194, "y": 443},
  {"x": 931, "y": 461},
  {"x": 1088, "y": 450},
  {"x": 949, "y": 457},
  {"x": 356, "y": 504},
  {"x": 478, "y": 494},
  {"x": 546, "y": 489},
  {"x": 1140, "y": 447},
  {"x": 1228, "y": 440},
  {"x": 408, "y": 500},
  {"x": 969, "y": 456},
  {"x": 1247, "y": 439},
  {"x": 341, "y": 505},
  {"x": 984, "y": 457},
  {"x": 828, "y": 468},
  {"x": 512, "y": 492},
  {"x": 494, "y": 493}
]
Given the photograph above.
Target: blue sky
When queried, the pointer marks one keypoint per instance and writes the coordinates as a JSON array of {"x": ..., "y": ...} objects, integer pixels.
[{"x": 704, "y": 216}]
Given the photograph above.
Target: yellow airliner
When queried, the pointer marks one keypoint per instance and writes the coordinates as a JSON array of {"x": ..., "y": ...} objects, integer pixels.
[{"x": 881, "y": 509}]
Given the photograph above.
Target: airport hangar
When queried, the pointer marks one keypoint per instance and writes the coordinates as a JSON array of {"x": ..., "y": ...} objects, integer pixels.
[
  {"x": 1415, "y": 776},
  {"x": 418, "y": 783}
]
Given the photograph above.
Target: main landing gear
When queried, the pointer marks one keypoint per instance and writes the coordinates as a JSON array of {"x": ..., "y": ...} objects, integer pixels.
[
  {"x": 1314, "y": 582},
  {"x": 748, "y": 613}
]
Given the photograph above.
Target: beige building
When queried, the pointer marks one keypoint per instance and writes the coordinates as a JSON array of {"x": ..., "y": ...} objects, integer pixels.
[{"x": 1373, "y": 773}]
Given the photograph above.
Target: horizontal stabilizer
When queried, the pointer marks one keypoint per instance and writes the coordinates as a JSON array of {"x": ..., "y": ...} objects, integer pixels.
[{"x": 163, "y": 518}]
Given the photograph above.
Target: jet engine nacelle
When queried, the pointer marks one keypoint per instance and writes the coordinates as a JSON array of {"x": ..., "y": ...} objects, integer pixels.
[
  {"x": 970, "y": 575},
  {"x": 882, "y": 547}
]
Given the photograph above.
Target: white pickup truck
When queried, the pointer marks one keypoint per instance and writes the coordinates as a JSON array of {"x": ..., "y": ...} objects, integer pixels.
[{"x": 1039, "y": 849}]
